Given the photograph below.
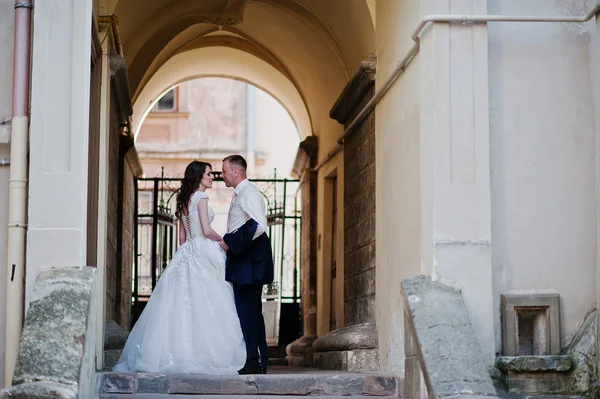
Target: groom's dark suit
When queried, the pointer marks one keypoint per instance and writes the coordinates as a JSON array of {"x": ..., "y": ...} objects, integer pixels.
[{"x": 249, "y": 266}]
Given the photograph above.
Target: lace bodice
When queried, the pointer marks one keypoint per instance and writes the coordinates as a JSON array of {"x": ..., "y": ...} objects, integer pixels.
[{"x": 192, "y": 219}]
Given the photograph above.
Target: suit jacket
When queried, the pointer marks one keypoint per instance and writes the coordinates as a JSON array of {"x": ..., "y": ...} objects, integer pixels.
[{"x": 248, "y": 261}]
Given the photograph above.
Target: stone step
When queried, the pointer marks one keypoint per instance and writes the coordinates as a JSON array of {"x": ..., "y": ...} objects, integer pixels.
[
  {"x": 167, "y": 396},
  {"x": 283, "y": 382},
  {"x": 278, "y": 361},
  {"x": 111, "y": 357}
]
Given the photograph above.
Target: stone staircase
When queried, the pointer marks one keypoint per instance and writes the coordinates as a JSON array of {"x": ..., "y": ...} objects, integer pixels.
[{"x": 280, "y": 382}]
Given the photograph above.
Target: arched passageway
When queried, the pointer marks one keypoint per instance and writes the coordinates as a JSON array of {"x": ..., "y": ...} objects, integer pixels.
[{"x": 305, "y": 65}]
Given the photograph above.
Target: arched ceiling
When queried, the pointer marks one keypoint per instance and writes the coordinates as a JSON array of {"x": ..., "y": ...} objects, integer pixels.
[
  {"x": 207, "y": 61},
  {"x": 316, "y": 44}
]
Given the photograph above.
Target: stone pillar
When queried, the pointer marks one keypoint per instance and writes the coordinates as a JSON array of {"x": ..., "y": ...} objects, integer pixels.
[
  {"x": 355, "y": 347},
  {"x": 60, "y": 98},
  {"x": 299, "y": 352}
]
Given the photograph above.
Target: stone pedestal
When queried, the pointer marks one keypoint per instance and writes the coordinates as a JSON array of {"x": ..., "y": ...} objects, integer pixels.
[
  {"x": 351, "y": 348},
  {"x": 299, "y": 353},
  {"x": 355, "y": 347}
]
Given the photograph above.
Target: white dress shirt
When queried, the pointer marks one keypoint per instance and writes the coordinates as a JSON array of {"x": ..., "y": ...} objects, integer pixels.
[{"x": 248, "y": 203}]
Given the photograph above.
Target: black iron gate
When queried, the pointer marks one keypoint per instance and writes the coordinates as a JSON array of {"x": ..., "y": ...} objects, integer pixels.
[{"x": 156, "y": 241}]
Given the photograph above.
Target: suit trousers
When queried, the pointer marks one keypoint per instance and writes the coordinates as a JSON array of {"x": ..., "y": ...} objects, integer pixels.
[{"x": 248, "y": 301}]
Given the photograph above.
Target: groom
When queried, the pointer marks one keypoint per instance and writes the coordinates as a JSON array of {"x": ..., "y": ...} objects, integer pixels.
[{"x": 249, "y": 260}]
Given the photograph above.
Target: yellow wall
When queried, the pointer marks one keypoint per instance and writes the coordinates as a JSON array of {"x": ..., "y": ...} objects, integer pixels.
[
  {"x": 335, "y": 167},
  {"x": 398, "y": 179}
]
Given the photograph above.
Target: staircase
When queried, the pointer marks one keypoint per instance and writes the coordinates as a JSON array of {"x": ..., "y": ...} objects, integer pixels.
[{"x": 280, "y": 382}]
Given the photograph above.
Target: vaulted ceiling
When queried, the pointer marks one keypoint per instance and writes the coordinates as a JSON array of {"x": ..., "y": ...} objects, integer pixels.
[{"x": 316, "y": 44}]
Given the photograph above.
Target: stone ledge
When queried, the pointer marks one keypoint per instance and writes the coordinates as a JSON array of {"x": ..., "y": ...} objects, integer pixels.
[
  {"x": 358, "y": 85},
  {"x": 535, "y": 363},
  {"x": 350, "y": 384},
  {"x": 358, "y": 336}
]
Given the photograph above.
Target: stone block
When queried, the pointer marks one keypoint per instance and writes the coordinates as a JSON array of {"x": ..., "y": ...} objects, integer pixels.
[
  {"x": 538, "y": 385},
  {"x": 111, "y": 357},
  {"x": 342, "y": 385},
  {"x": 376, "y": 385},
  {"x": 366, "y": 230},
  {"x": 213, "y": 385},
  {"x": 360, "y": 261},
  {"x": 40, "y": 390},
  {"x": 534, "y": 363},
  {"x": 56, "y": 353},
  {"x": 114, "y": 335},
  {"x": 153, "y": 383},
  {"x": 360, "y": 285},
  {"x": 119, "y": 383},
  {"x": 350, "y": 360},
  {"x": 361, "y": 310},
  {"x": 453, "y": 363},
  {"x": 280, "y": 385}
]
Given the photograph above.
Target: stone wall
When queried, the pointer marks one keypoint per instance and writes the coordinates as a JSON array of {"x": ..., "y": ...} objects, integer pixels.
[
  {"x": 359, "y": 219},
  {"x": 124, "y": 167},
  {"x": 126, "y": 254},
  {"x": 112, "y": 219}
]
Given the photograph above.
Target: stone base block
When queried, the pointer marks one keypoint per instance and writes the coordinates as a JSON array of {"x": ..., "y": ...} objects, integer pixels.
[
  {"x": 536, "y": 375},
  {"x": 111, "y": 357},
  {"x": 538, "y": 383},
  {"x": 351, "y": 360},
  {"x": 115, "y": 336},
  {"x": 300, "y": 352}
]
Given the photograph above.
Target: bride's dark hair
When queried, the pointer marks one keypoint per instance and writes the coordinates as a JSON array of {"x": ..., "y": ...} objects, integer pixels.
[{"x": 190, "y": 182}]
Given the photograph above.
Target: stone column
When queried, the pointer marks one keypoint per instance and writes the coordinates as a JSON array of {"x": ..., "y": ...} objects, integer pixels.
[
  {"x": 355, "y": 347},
  {"x": 60, "y": 98},
  {"x": 299, "y": 352}
]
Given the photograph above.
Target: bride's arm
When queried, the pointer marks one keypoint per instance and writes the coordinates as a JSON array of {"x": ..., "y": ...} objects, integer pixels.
[
  {"x": 205, "y": 222},
  {"x": 182, "y": 236}
]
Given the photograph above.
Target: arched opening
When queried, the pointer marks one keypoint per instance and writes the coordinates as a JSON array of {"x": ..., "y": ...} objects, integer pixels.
[
  {"x": 207, "y": 119},
  {"x": 304, "y": 66}
]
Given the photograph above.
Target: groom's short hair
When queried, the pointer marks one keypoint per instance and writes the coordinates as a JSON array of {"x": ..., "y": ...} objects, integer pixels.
[{"x": 236, "y": 160}]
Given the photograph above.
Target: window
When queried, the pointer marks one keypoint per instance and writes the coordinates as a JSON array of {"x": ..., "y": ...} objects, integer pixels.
[{"x": 168, "y": 102}]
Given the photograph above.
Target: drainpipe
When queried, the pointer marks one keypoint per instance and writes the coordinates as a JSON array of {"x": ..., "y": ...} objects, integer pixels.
[
  {"x": 17, "y": 186},
  {"x": 250, "y": 150},
  {"x": 416, "y": 46}
]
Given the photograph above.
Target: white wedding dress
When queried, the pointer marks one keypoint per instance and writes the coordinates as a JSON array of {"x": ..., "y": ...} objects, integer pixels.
[{"x": 190, "y": 324}]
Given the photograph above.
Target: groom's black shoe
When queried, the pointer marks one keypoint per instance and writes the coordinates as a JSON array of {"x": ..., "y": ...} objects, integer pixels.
[
  {"x": 251, "y": 367},
  {"x": 263, "y": 370}
]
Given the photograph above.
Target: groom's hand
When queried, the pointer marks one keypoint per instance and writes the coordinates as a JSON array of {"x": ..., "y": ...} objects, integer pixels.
[{"x": 223, "y": 245}]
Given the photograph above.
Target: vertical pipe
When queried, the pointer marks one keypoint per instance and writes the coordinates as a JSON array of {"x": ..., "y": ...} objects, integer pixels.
[
  {"x": 250, "y": 132},
  {"x": 17, "y": 186}
]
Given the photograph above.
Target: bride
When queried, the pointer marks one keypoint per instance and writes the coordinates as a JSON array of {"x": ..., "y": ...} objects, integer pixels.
[{"x": 190, "y": 324}]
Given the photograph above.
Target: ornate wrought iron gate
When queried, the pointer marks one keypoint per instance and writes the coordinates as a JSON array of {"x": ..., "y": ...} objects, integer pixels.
[{"x": 156, "y": 241}]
